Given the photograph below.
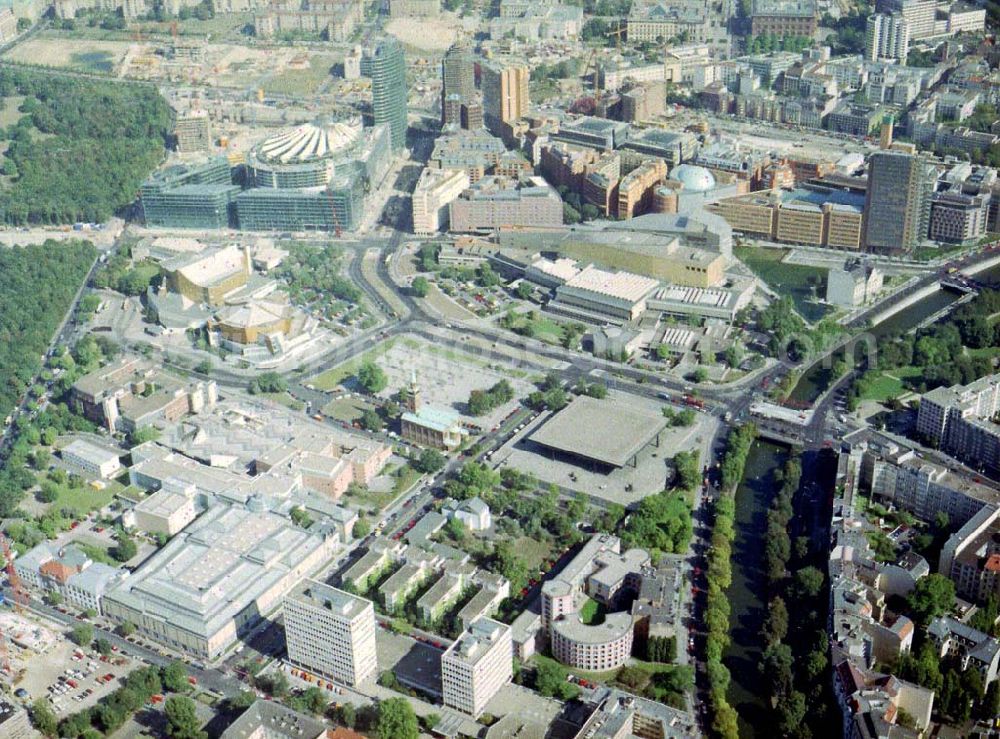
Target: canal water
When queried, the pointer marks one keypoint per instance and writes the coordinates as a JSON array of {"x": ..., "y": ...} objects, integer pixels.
[
  {"x": 753, "y": 497},
  {"x": 816, "y": 381}
]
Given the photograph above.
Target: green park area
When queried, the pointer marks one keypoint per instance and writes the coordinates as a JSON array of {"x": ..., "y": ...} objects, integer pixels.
[{"x": 802, "y": 283}]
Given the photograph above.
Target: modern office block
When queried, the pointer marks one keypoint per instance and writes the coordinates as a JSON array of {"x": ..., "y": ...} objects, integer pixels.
[
  {"x": 505, "y": 94},
  {"x": 385, "y": 64},
  {"x": 330, "y": 632},
  {"x": 898, "y": 201},
  {"x": 458, "y": 79}
]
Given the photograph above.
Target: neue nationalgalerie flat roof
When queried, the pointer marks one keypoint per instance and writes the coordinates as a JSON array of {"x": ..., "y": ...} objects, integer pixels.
[{"x": 600, "y": 430}]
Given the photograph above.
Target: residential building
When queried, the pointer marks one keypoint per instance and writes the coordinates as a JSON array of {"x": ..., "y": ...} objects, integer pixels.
[
  {"x": 69, "y": 572},
  {"x": 414, "y": 8},
  {"x": 537, "y": 21},
  {"x": 330, "y": 632},
  {"x": 597, "y": 648},
  {"x": 919, "y": 15},
  {"x": 971, "y": 556},
  {"x": 193, "y": 131},
  {"x": 783, "y": 18},
  {"x": 432, "y": 196},
  {"x": 476, "y": 666},
  {"x": 900, "y": 478},
  {"x": 96, "y": 461},
  {"x": 635, "y": 190},
  {"x": 385, "y": 64},
  {"x": 615, "y": 713},
  {"x": 898, "y": 201},
  {"x": 959, "y": 420},
  {"x": 498, "y": 202},
  {"x": 856, "y": 283},
  {"x": 271, "y": 720},
  {"x": 505, "y": 95},
  {"x": 887, "y": 37},
  {"x": 334, "y": 20},
  {"x": 957, "y": 217},
  {"x": 972, "y": 648}
]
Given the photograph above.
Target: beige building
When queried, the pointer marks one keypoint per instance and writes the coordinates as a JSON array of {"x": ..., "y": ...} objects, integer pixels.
[
  {"x": 330, "y": 632},
  {"x": 94, "y": 460},
  {"x": 500, "y": 202},
  {"x": 334, "y": 19},
  {"x": 217, "y": 579},
  {"x": 792, "y": 220},
  {"x": 435, "y": 191},
  {"x": 193, "y": 131},
  {"x": 635, "y": 191},
  {"x": 505, "y": 94},
  {"x": 476, "y": 666},
  {"x": 167, "y": 511}
]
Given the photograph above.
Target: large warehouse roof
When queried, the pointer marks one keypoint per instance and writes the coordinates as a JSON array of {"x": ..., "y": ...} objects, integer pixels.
[{"x": 600, "y": 431}]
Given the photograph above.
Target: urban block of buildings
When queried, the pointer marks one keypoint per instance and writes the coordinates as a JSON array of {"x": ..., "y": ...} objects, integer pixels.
[{"x": 218, "y": 578}]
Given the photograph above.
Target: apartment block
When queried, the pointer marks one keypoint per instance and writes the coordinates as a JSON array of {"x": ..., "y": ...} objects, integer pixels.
[
  {"x": 476, "y": 666},
  {"x": 330, "y": 632}
]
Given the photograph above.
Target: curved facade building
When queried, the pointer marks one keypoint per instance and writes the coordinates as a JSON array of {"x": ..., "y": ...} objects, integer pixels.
[
  {"x": 597, "y": 648},
  {"x": 307, "y": 156}
]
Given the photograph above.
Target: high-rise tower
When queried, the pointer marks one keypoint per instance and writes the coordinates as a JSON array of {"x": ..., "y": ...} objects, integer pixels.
[
  {"x": 505, "y": 94},
  {"x": 898, "y": 201},
  {"x": 458, "y": 86},
  {"x": 385, "y": 64}
]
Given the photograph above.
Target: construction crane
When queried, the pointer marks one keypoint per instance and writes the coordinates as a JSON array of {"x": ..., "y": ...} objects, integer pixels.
[{"x": 618, "y": 33}]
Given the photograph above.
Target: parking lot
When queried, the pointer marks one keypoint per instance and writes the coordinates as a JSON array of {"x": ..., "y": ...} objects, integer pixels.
[{"x": 73, "y": 678}]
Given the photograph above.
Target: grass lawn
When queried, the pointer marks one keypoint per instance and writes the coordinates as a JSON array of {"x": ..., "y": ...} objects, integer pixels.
[
  {"x": 286, "y": 400},
  {"x": 403, "y": 478},
  {"x": 533, "y": 552},
  {"x": 592, "y": 613},
  {"x": 794, "y": 280},
  {"x": 892, "y": 383},
  {"x": 597, "y": 677},
  {"x": 302, "y": 81},
  {"x": 95, "y": 550},
  {"x": 333, "y": 377},
  {"x": 345, "y": 409},
  {"x": 83, "y": 499},
  {"x": 542, "y": 328}
]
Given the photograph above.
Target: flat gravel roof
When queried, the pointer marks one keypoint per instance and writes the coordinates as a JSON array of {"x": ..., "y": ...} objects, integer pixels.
[{"x": 600, "y": 430}]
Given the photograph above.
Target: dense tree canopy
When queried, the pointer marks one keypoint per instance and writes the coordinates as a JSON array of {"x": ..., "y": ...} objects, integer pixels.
[
  {"x": 101, "y": 140},
  {"x": 37, "y": 285}
]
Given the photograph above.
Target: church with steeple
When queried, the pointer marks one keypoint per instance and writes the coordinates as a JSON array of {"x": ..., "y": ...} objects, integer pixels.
[{"x": 427, "y": 425}]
